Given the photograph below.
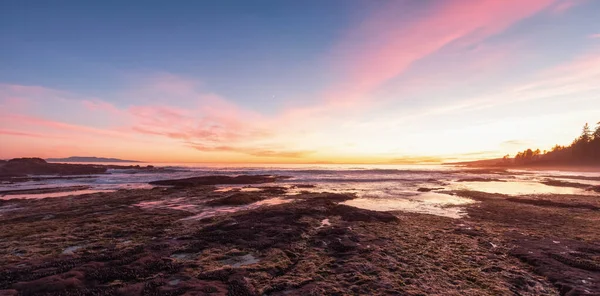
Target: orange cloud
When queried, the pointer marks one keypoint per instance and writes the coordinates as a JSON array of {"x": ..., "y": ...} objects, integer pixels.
[{"x": 259, "y": 152}]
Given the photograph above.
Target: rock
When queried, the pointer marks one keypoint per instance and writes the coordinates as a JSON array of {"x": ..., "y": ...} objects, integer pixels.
[
  {"x": 304, "y": 186},
  {"x": 31, "y": 160},
  {"x": 559, "y": 183},
  {"x": 349, "y": 213},
  {"x": 594, "y": 188},
  {"x": 37, "y": 166},
  {"x": 343, "y": 245},
  {"x": 273, "y": 189},
  {"x": 51, "y": 284},
  {"x": 423, "y": 189},
  {"x": 237, "y": 199}
]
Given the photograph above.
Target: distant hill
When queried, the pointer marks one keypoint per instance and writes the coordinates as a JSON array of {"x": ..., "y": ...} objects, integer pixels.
[{"x": 88, "y": 159}]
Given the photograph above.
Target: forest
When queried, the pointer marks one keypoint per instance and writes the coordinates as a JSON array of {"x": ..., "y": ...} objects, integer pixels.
[{"x": 584, "y": 150}]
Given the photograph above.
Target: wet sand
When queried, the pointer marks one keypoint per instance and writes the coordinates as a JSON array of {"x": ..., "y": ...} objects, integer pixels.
[{"x": 277, "y": 241}]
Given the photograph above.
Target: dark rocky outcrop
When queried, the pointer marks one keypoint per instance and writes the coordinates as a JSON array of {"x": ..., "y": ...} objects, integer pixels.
[
  {"x": 37, "y": 166},
  {"x": 30, "y": 160},
  {"x": 303, "y": 186},
  {"x": 237, "y": 199},
  {"x": 571, "y": 265},
  {"x": 559, "y": 183},
  {"x": 594, "y": 188},
  {"x": 425, "y": 189}
]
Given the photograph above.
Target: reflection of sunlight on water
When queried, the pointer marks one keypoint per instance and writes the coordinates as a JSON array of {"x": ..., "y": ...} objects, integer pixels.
[
  {"x": 240, "y": 188},
  {"x": 202, "y": 211},
  {"x": 427, "y": 203},
  {"x": 518, "y": 188},
  {"x": 54, "y": 194}
]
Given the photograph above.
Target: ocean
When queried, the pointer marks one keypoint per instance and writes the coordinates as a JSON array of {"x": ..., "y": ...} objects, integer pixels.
[{"x": 378, "y": 187}]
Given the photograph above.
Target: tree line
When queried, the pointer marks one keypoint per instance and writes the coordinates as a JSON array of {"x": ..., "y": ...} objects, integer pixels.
[{"x": 584, "y": 150}]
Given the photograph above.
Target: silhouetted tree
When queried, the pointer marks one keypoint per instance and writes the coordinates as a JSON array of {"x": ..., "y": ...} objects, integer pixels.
[
  {"x": 586, "y": 133},
  {"x": 584, "y": 150}
]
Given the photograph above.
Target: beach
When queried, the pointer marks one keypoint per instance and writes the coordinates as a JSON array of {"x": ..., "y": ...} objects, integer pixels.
[{"x": 310, "y": 231}]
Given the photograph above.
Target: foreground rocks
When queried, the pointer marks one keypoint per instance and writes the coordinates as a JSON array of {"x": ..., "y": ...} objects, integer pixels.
[
  {"x": 558, "y": 235},
  {"x": 150, "y": 242}
]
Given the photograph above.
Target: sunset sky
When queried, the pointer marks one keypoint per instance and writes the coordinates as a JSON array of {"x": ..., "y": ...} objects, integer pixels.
[{"x": 296, "y": 81}]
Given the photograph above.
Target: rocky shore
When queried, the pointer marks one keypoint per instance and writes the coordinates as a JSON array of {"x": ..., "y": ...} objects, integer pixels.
[{"x": 261, "y": 241}]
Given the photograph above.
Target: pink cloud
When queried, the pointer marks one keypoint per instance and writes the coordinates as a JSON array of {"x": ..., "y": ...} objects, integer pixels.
[
  {"x": 208, "y": 119},
  {"x": 37, "y": 122},
  {"x": 574, "y": 77},
  {"x": 564, "y": 5},
  {"x": 20, "y": 97},
  {"x": 99, "y": 105},
  {"x": 20, "y": 133},
  {"x": 384, "y": 46},
  {"x": 208, "y": 125},
  {"x": 595, "y": 36}
]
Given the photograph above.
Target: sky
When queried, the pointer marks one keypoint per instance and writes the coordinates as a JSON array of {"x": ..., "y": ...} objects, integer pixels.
[{"x": 337, "y": 81}]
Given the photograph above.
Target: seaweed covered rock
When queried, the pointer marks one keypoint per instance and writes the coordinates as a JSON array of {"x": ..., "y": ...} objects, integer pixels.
[{"x": 237, "y": 199}]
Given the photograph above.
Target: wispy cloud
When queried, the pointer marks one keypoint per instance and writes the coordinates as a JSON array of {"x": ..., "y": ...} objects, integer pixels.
[
  {"x": 564, "y": 5},
  {"x": 573, "y": 77},
  {"x": 23, "y": 134},
  {"x": 515, "y": 143},
  {"x": 385, "y": 46},
  {"x": 415, "y": 160},
  {"x": 57, "y": 126}
]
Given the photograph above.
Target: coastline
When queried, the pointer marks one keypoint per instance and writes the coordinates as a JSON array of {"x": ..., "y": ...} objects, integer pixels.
[
  {"x": 562, "y": 168},
  {"x": 160, "y": 241}
]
